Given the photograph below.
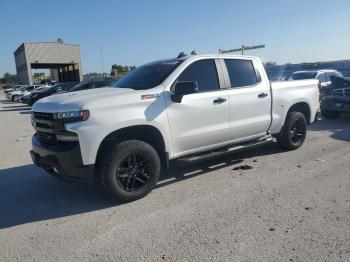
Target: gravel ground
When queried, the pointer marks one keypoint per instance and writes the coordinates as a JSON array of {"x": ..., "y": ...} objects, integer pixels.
[{"x": 290, "y": 206}]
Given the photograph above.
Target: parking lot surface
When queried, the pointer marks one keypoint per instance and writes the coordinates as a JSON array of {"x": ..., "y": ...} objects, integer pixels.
[{"x": 260, "y": 205}]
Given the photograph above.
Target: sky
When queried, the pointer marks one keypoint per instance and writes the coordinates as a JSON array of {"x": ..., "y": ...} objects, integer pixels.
[{"x": 135, "y": 32}]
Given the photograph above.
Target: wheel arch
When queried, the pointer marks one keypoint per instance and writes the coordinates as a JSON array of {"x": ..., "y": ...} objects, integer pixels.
[
  {"x": 146, "y": 133},
  {"x": 302, "y": 107}
]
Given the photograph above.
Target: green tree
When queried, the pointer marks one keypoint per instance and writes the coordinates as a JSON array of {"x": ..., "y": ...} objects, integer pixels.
[
  {"x": 8, "y": 79},
  {"x": 37, "y": 75},
  {"x": 121, "y": 70}
]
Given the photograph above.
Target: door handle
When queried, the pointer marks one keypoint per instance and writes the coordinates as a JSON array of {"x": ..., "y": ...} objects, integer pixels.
[
  {"x": 219, "y": 100},
  {"x": 262, "y": 95}
]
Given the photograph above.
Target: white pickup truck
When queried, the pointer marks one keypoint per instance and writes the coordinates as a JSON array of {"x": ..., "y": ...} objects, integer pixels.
[{"x": 188, "y": 109}]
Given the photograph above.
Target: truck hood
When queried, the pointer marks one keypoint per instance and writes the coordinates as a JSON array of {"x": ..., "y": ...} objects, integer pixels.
[{"x": 78, "y": 100}]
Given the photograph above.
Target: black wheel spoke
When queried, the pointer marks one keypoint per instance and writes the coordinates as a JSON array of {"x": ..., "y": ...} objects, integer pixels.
[
  {"x": 140, "y": 180},
  {"x": 133, "y": 183},
  {"x": 296, "y": 132},
  {"x": 124, "y": 175},
  {"x": 132, "y": 172}
]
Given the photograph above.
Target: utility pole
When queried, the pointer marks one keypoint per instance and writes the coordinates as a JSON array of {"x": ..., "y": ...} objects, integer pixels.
[
  {"x": 101, "y": 56},
  {"x": 242, "y": 49}
]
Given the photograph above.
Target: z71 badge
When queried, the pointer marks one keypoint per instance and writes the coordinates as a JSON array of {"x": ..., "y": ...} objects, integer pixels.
[{"x": 149, "y": 96}]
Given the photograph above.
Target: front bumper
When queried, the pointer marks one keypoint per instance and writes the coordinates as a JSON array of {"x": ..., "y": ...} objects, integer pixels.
[
  {"x": 62, "y": 160},
  {"x": 336, "y": 103}
]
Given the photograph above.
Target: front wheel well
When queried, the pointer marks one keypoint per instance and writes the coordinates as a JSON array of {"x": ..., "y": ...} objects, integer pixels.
[
  {"x": 146, "y": 133},
  {"x": 303, "y": 108}
]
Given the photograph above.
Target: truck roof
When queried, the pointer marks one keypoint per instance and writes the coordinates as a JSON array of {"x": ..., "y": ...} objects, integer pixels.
[{"x": 212, "y": 56}]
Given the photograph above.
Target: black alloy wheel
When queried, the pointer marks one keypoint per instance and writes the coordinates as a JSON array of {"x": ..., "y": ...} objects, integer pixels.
[
  {"x": 128, "y": 170},
  {"x": 133, "y": 172},
  {"x": 294, "y": 130},
  {"x": 297, "y": 131}
]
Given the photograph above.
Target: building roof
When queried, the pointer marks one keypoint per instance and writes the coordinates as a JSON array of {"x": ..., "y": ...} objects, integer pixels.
[{"x": 33, "y": 43}]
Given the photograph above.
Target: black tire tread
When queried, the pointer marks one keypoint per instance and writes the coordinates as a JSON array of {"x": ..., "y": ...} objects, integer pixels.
[
  {"x": 283, "y": 139},
  {"x": 106, "y": 158}
]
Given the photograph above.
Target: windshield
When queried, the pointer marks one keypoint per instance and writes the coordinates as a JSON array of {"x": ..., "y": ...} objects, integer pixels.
[
  {"x": 42, "y": 89},
  {"x": 149, "y": 75},
  {"x": 79, "y": 86},
  {"x": 301, "y": 76}
]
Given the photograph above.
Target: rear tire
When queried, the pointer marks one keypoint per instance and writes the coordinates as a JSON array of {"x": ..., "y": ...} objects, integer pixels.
[
  {"x": 330, "y": 114},
  {"x": 294, "y": 131},
  {"x": 129, "y": 170},
  {"x": 14, "y": 98}
]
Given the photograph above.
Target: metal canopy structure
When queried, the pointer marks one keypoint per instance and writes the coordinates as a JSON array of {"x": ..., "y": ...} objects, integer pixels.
[{"x": 62, "y": 59}]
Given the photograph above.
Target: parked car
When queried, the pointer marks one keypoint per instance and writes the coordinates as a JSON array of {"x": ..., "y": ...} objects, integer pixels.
[
  {"x": 324, "y": 76},
  {"x": 90, "y": 85},
  {"x": 24, "y": 98},
  {"x": 16, "y": 94},
  {"x": 188, "y": 109},
  {"x": 336, "y": 100},
  {"x": 58, "y": 88},
  {"x": 12, "y": 88}
]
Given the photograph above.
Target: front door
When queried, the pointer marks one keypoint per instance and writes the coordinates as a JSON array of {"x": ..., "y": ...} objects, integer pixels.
[{"x": 200, "y": 120}]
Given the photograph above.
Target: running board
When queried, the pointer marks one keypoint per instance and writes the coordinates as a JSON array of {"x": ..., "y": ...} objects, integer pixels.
[{"x": 213, "y": 154}]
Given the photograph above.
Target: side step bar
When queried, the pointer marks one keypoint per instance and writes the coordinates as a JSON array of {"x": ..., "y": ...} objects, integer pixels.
[{"x": 213, "y": 154}]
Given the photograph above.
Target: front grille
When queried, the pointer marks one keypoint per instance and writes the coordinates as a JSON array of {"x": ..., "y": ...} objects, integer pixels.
[
  {"x": 46, "y": 138},
  {"x": 43, "y": 116},
  {"x": 344, "y": 102},
  {"x": 42, "y": 125},
  {"x": 341, "y": 92},
  {"x": 46, "y": 128}
]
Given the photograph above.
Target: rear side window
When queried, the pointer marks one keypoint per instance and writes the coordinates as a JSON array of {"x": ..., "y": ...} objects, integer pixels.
[
  {"x": 327, "y": 77},
  {"x": 204, "y": 72},
  {"x": 241, "y": 72},
  {"x": 322, "y": 77}
]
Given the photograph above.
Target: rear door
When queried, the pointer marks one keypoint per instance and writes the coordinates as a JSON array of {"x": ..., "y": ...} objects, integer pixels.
[
  {"x": 201, "y": 120},
  {"x": 249, "y": 97}
]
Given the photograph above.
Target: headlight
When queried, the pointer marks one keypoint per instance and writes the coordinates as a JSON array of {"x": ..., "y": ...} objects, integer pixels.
[{"x": 72, "y": 116}]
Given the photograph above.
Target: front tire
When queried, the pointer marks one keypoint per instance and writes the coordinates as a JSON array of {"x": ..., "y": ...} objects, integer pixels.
[
  {"x": 14, "y": 98},
  {"x": 129, "y": 170},
  {"x": 330, "y": 114},
  {"x": 294, "y": 131}
]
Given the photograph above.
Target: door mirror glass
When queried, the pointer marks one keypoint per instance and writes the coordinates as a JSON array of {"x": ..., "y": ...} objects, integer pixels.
[{"x": 184, "y": 88}]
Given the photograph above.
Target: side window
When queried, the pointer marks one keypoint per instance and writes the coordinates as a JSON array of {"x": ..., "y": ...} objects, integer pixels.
[
  {"x": 59, "y": 89},
  {"x": 322, "y": 77},
  {"x": 241, "y": 72},
  {"x": 204, "y": 72},
  {"x": 327, "y": 76}
]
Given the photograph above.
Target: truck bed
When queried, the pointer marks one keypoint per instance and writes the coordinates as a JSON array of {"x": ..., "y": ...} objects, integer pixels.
[{"x": 287, "y": 93}]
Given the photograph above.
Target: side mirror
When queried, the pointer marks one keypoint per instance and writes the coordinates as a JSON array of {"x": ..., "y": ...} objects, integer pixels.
[{"x": 184, "y": 88}]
